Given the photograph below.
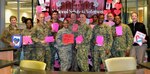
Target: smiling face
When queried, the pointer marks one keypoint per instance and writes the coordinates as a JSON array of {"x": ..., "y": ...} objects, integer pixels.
[
  {"x": 55, "y": 15},
  {"x": 65, "y": 24},
  {"x": 134, "y": 17},
  {"x": 29, "y": 24},
  {"x": 110, "y": 17},
  {"x": 117, "y": 20},
  {"x": 101, "y": 19},
  {"x": 13, "y": 20},
  {"x": 73, "y": 17},
  {"x": 82, "y": 18},
  {"x": 41, "y": 18},
  {"x": 95, "y": 18}
]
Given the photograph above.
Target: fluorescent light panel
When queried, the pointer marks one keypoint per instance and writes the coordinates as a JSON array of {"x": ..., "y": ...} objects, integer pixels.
[{"x": 14, "y": 2}]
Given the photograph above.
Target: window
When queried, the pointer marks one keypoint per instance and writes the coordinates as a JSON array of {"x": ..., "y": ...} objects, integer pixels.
[{"x": 19, "y": 8}]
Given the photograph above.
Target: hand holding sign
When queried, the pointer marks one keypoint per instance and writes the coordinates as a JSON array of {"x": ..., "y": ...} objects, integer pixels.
[
  {"x": 49, "y": 39},
  {"x": 27, "y": 40},
  {"x": 119, "y": 30},
  {"x": 55, "y": 27},
  {"x": 139, "y": 37},
  {"x": 17, "y": 41},
  {"x": 68, "y": 39},
  {"x": 75, "y": 28},
  {"x": 99, "y": 40},
  {"x": 79, "y": 39}
]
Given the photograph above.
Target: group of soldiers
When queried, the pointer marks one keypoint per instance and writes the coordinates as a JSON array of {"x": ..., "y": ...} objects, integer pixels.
[{"x": 74, "y": 56}]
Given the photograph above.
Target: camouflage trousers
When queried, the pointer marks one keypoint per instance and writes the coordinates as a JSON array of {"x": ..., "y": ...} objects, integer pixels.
[
  {"x": 65, "y": 56},
  {"x": 82, "y": 58},
  {"x": 118, "y": 53},
  {"x": 53, "y": 52},
  {"x": 74, "y": 64},
  {"x": 43, "y": 53},
  {"x": 98, "y": 57},
  {"x": 28, "y": 52}
]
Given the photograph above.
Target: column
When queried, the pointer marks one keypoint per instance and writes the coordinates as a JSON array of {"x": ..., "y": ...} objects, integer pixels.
[
  {"x": 148, "y": 17},
  {"x": 2, "y": 18}
]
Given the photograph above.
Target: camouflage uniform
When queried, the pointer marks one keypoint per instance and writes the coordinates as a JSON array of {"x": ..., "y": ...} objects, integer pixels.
[
  {"x": 121, "y": 43},
  {"x": 42, "y": 51},
  {"x": 6, "y": 38},
  {"x": 99, "y": 52},
  {"x": 74, "y": 66},
  {"x": 84, "y": 47},
  {"x": 65, "y": 51},
  {"x": 60, "y": 26},
  {"x": 28, "y": 49},
  {"x": 52, "y": 45},
  {"x": 71, "y": 26},
  {"x": 8, "y": 33}
]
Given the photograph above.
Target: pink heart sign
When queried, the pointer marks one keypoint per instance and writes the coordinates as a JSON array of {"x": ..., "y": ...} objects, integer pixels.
[
  {"x": 118, "y": 6},
  {"x": 117, "y": 12}
]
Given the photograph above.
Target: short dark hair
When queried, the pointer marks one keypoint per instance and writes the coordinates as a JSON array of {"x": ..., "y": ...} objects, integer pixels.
[
  {"x": 118, "y": 15},
  {"x": 74, "y": 13},
  {"x": 66, "y": 20},
  {"x": 94, "y": 15},
  {"x": 100, "y": 15},
  {"x": 30, "y": 20},
  {"x": 83, "y": 14},
  {"x": 55, "y": 11},
  {"x": 11, "y": 17}
]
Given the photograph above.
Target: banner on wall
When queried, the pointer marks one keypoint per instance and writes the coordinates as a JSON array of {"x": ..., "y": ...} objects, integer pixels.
[{"x": 89, "y": 7}]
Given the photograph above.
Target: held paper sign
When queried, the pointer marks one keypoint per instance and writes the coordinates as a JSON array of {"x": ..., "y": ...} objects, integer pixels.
[
  {"x": 139, "y": 36},
  {"x": 75, "y": 28},
  {"x": 17, "y": 41},
  {"x": 119, "y": 30},
  {"x": 68, "y": 38},
  {"x": 79, "y": 39},
  {"x": 49, "y": 39},
  {"x": 38, "y": 9},
  {"x": 27, "y": 40},
  {"x": 55, "y": 27},
  {"x": 99, "y": 40}
]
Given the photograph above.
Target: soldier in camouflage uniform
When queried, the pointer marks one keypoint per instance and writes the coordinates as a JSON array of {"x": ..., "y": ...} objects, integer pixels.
[
  {"x": 73, "y": 21},
  {"x": 65, "y": 50},
  {"x": 42, "y": 49},
  {"x": 121, "y": 44},
  {"x": 101, "y": 53},
  {"x": 11, "y": 30},
  {"x": 28, "y": 49},
  {"x": 52, "y": 45},
  {"x": 84, "y": 47}
]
